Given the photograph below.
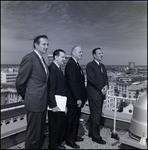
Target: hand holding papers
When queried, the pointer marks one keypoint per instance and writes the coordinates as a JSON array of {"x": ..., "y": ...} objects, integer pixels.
[{"x": 61, "y": 102}]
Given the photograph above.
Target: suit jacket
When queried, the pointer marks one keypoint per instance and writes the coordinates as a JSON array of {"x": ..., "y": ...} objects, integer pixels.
[
  {"x": 57, "y": 84},
  {"x": 31, "y": 83},
  {"x": 96, "y": 80},
  {"x": 76, "y": 83}
]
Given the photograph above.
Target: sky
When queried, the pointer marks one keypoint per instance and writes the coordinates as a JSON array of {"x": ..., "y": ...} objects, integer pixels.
[{"x": 119, "y": 28}]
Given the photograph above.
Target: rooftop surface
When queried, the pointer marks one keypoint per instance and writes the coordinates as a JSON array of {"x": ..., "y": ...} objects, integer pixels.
[{"x": 111, "y": 143}]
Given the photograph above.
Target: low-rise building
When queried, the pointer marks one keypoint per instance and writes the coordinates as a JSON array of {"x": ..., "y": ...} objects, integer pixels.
[
  {"x": 9, "y": 76},
  {"x": 9, "y": 94}
]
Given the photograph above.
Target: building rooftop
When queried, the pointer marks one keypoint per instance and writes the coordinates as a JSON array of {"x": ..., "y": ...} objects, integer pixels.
[{"x": 111, "y": 143}]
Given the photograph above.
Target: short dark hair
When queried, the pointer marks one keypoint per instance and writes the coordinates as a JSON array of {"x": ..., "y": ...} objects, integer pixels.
[
  {"x": 37, "y": 39},
  {"x": 94, "y": 50},
  {"x": 57, "y": 52}
]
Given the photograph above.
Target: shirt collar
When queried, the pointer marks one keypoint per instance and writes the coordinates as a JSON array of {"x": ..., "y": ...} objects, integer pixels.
[
  {"x": 56, "y": 64},
  {"x": 75, "y": 59},
  {"x": 38, "y": 54},
  {"x": 96, "y": 61}
]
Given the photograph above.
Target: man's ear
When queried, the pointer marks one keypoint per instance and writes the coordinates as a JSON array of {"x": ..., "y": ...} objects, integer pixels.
[
  {"x": 94, "y": 55},
  {"x": 36, "y": 45},
  {"x": 55, "y": 57}
]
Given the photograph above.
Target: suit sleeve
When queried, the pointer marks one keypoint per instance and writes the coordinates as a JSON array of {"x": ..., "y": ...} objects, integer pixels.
[
  {"x": 23, "y": 75},
  {"x": 71, "y": 75},
  {"x": 90, "y": 71},
  {"x": 52, "y": 88}
]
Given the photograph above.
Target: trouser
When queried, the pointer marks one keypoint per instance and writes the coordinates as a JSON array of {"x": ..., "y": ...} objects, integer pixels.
[
  {"x": 95, "y": 117},
  {"x": 57, "y": 125},
  {"x": 73, "y": 115},
  {"x": 36, "y": 125}
]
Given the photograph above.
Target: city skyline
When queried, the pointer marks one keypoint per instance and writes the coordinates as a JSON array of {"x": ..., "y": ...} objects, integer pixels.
[{"x": 118, "y": 27}]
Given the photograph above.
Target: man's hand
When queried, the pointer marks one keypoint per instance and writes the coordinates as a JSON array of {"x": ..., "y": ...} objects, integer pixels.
[
  {"x": 55, "y": 109},
  {"x": 105, "y": 87},
  {"x": 79, "y": 103},
  {"x": 104, "y": 90}
]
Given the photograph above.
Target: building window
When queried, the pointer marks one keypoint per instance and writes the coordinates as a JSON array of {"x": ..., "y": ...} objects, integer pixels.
[
  {"x": 14, "y": 119},
  {"x": 7, "y": 121},
  {"x": 22, "y": 117}
]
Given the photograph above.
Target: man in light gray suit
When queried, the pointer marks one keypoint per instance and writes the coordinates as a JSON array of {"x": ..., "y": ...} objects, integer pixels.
[{"x": 31, "y": 84}]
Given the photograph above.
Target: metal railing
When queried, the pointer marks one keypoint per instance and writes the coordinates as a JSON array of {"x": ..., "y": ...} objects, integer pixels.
[
  {"x": 115, "y": 107},
  {"x": 10, "y": 127}
]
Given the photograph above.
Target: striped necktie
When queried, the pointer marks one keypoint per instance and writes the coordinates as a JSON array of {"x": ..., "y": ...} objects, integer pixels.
[{"x": 44, "y": 64}]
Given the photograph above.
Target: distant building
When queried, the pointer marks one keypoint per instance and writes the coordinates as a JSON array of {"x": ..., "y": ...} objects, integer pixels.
[
  {"x": 109, "y": 101},
  {"x": 138, "y": 89},
  {"x": 124, "y": 79},
  {"x": 131, "y": 69},
  {"x": 131, "y": 65},
  {"x": 122, "y": 88},
  {"x": 130, "y": 89},
  {"x": 9, "y": 76},
  {"x": 50, "y": 59},
  {"x": 9, "y": 94},
  {"x": 9, "y": 67}
]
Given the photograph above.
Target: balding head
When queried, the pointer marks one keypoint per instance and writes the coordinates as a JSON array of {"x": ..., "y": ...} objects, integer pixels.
[{"x": 76, "y": 52}]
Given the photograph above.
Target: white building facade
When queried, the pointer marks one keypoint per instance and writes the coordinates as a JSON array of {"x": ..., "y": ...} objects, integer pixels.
[{"x": 8, "y": 77}]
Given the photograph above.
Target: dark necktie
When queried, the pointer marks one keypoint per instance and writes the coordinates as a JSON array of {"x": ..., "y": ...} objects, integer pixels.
[
  {"x": 60, "y": 70},
  {"x": 100, "y": 66},
  {"x": 80, "y": 68}
]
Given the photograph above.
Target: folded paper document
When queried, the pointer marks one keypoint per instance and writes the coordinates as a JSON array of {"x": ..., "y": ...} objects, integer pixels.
[{"x": 61, "y": 102}]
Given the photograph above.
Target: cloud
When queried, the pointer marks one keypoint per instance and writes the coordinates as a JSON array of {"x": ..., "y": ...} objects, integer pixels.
[{"x": 115, "y": 25}]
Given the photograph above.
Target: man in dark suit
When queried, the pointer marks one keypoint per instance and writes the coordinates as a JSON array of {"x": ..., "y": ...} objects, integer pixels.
[
  {"x": 76, "y": 96},
  {"x": 97, "y": 83},
  {"x": 31, "y": 84},
  {"x": 57, "y": 86}
]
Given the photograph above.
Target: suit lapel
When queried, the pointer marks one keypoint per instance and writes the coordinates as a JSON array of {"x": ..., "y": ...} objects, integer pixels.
[
  {"x": 58, "y": 70},
  {"x": 98, "y": 66},
  {"x": 41, "y": 63},
  {"x": 82, "y": 74}
]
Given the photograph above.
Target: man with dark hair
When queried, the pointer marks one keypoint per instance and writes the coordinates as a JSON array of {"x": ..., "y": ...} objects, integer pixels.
[
  {"x": 76, "y": 96},
  {"x": 31, "y": 84},
  {"x": 57, "y": 87},
  {"x": 97, "y": 82}
]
